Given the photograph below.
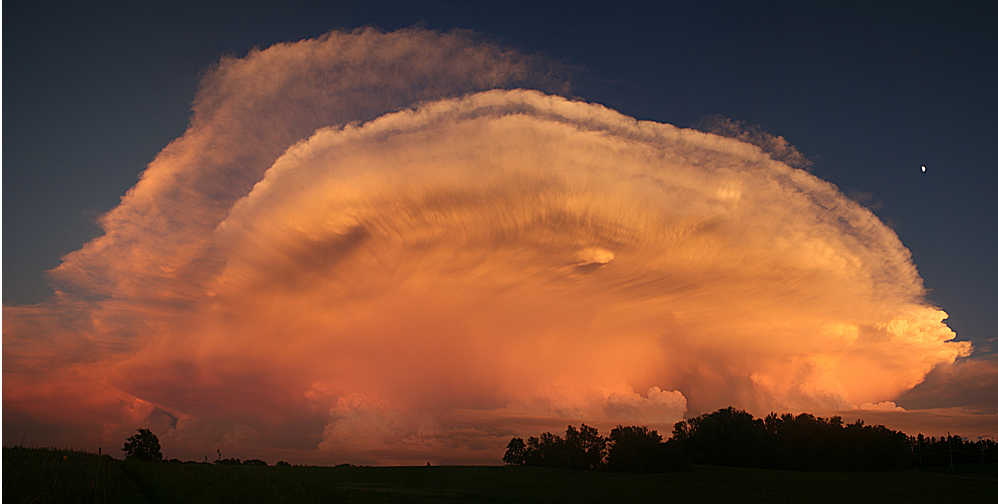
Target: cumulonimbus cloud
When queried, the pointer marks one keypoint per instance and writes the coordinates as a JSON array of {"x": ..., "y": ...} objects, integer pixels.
[{"x": 364, "y": 246}]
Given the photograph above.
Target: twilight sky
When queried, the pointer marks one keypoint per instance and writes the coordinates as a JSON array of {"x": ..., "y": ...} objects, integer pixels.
[{"x": 393, "y": 233}]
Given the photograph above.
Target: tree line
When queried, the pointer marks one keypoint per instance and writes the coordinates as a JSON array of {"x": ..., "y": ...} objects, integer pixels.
[
  {"x": 733, "y": 437},
  {"x": 144, "y": 446},
  {"x": 630, "y": 449},
  {"x": 933, "y": 451}
]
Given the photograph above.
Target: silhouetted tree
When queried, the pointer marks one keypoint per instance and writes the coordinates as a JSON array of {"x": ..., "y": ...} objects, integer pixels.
[
  {"x": 552, "y": 450},
  {"x": 516, "y": 452},
  {"x": 634, "y": 449},
  {"x": 143, "y": 446},
  {"x": 533, "y": 455},
  {"x": 585, "y": 448},
  {"x": 724, "y": 437},
  {"x": 546, "y": 451},
  {"x": 581, "y": 448}
]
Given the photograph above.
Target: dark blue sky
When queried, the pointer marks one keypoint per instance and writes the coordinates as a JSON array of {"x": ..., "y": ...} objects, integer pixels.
[{"x": 92, "y": 93}]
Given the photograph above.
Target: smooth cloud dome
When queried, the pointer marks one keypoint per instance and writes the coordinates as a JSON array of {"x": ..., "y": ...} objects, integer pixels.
[{"x": 418, "y": 271}]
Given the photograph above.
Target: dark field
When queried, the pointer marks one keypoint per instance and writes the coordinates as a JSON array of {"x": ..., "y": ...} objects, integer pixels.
[{"x": 50, "y": 476}]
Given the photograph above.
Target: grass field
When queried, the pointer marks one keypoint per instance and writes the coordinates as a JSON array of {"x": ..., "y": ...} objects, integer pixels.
[{"x": 40, "y": 476}]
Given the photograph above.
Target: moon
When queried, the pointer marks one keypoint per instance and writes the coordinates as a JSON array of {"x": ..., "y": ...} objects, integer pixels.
[{"x": 923, "y": 168}]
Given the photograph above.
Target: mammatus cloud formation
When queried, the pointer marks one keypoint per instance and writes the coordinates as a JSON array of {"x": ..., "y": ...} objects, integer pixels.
[{"x": 371, "y": 247}]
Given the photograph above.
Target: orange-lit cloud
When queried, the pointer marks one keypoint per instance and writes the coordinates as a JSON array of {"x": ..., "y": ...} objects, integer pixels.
[{"x": 361, "y": 251}]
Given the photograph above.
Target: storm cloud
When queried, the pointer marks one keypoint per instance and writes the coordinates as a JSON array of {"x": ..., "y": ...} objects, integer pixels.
[{"x": 397, "y": 247}]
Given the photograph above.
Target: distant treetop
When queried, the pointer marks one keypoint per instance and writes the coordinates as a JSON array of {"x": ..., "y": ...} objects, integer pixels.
[{"x": 143, "y": 446}]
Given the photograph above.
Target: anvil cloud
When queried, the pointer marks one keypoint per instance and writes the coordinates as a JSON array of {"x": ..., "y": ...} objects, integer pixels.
[{"x": 376, "y": 247}]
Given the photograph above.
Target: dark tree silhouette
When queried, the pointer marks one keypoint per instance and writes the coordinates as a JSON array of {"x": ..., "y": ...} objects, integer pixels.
[
  {"x": 943, "y": 451},
  {"x": 581, "y": 448},
  {"x": 516, "y": 452},
  {"x": 803, "y": 442},
  {"x": 724, "y": 437},
  {"x": 586, "y": 448},
  {"x": 732, "y": 437},
  {"x": 634, "y": 449},
  {"x": 546, "y": 451},
  {"x": 143, "y": 446}
]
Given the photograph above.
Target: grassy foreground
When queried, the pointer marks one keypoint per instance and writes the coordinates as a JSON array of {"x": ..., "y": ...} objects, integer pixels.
[
  {"x": 43, "y": 475},
  {"x": 39, "y": 476}
]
